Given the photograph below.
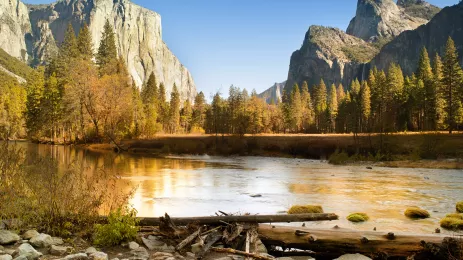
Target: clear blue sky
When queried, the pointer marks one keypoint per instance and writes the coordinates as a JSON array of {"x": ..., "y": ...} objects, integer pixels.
[{"x": 247, "y": 43}]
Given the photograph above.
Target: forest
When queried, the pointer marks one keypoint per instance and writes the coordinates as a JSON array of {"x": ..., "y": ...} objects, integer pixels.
[{"x": 82, "y": 96}]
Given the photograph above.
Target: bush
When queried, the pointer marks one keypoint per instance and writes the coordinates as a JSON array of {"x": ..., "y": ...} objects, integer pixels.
[
  {"x": 299, "y": 209},
  {"x": 59, "y": 200},
  {"x": 358, "y": 217},
  {"x": 452, "y": 221},
  {"x": 338, "y": 158},
  {"x": 416, "y": 213},
  {"x": 121, "y": 227},
  {"x": 460, "y": 207}
]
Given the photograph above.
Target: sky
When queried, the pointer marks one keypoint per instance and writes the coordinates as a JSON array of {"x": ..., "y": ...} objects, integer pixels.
[{"x": 247, "y": 43}]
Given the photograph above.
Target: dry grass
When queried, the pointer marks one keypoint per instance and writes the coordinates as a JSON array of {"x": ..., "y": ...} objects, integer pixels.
[
  {"x": 358, "y": 217},
  {"x": 452, "y": 221},
  {"x": 416, "y": 213},
  {"x": 459, "y": 207},
  {"x": 305, "y": 209}
]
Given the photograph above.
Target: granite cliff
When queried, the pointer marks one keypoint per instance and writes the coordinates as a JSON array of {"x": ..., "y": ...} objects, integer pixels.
[
  {"x": 274, "y": 93},
  {"x": 35, "y": 34}
]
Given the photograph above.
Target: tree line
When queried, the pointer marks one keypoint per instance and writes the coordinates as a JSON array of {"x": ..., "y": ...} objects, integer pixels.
[{"x": 82, "y": 96}]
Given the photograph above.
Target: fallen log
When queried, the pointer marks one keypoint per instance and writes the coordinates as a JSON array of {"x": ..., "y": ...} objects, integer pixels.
[
  {"x": 218, "y": 220},
  {"x": 238, "y": 252},
  {"x": 338, "y": 241},
  {"x": 188, "y": 240}
]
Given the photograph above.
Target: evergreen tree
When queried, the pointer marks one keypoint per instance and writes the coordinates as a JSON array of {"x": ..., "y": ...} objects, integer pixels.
[
  {"x": 34, "y": 117},
  {"x": 84, "y": 43},
  {"x": 307, "y": 114},
  {"x": 440, "y": 101},
  {"x": 333, "y": 107},
  {"x": 52, "y": 105},
  {"x": 296, "y": 109},
  {"x": 186, "y": 116},
  {"x": 340, "y": 93},
  {"x": 320, "y": 105},
  {"x": 365, "y": 103},
  {"x": 393, "y": 95},
  {"x": 149, "y": 99},
  {"x": 199, "y": 111},
  {"x": 163, "y": 107},
  {"x": 107, "y": 52},
  {"x": 451, "y": 84},
  {"x": 174, "y": 110},
  {"x": 424, "y": 73},
  {"x": 67, "y": 53}
]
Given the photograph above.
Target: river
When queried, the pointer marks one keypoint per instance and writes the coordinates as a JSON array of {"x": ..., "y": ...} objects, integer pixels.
[{"x": 202, "y": 185}]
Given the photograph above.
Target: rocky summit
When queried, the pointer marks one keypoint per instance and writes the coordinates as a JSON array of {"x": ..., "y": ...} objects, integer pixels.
[
  {"x": 274, "y": 93},
  {"x": 33, "y": 33}
]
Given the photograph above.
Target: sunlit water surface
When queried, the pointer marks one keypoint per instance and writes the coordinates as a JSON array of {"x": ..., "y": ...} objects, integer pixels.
[{"x": 202, "y": 185}]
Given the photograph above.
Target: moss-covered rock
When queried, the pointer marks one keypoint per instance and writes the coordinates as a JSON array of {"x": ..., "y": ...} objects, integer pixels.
[
  {"x": 460, "y": 207},
  {"x": 358, "y": 217},
  {"x": 417, "y": 213},
  {"x": 304, "y": 209},
  {"x": 452, "y": 221}
]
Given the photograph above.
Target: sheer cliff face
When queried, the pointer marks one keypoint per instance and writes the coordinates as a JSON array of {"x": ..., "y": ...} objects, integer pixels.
[
  {"x": 405, "y": 49},
  {"x": 326, "y": 54},
  {"x": 138, "y": 34},
  {"x": 14, "y": 28},
  {"x": 377, "y": 19},
  {"x": 274, "y": 93}
]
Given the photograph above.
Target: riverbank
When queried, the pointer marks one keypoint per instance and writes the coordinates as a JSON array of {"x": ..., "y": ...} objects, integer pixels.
[{"x": 409, "y": 150}]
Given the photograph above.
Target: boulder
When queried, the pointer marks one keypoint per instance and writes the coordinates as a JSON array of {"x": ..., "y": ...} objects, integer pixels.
[
  {"x": 6, "y": 257},
  {"x": 139, "y": 254},
  {"x": 353, "y": 257},
  {"x": 99, "y": 256},
  {"x": 162, "y": 256},
  {"x": 90, "y": 250},
  {"x": 30, "y": 234},
  {"x": 41, "y": 241},
  {"x": 60, "y": 250},
  {"x": 28, "y": 251},
  {"x": 57, "y": 241},
  {"x": 79, "y": 256},
  {"x": 152, "y": 243},
  {"x": 21, "y": 257},
  {"x": 8, "y": 237},
  {"x": 133, "y": 245}
]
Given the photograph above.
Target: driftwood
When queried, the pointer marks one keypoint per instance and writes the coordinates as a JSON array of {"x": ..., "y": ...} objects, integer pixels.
[
  {"x": 338, "y": 241},
  {"x": 188, "y": 240},
  {"x": 238, "y": 252},
  {"x": 219, "y": 220},
  {"x": 210, "y": 240}
]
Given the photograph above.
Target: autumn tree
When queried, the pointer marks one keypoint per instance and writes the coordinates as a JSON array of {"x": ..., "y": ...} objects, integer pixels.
[
  {"x": 199, "y": 111},
  {"x": 320, "y": 105},
  {"x": 333, "y": 108}
]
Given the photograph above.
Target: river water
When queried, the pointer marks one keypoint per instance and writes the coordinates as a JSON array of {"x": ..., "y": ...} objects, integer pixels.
[{"x": 202, "y": 185}]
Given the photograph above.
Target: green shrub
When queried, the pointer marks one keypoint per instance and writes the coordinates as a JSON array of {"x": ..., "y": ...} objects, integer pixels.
[
  {"x": 121, "y": 227},
  {"x": 460, "y": 207},
  {"x": 339, "y": 158},
  {"x": 358, "y": 217},
  {"x": 305, "y": 209},
  {"x": 416, "y": 213}
]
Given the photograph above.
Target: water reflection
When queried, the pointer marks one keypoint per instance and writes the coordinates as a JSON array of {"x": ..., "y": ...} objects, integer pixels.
[{"x": 201, "y": 185}]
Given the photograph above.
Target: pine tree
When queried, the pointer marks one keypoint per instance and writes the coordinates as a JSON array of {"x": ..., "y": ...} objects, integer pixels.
[
  {"x": 107, "y": 52},
  {"x": 163, "y": 107},
  {"x": 424, "y": 73},
  {"x": 69, "y": 48},
  {"x": 149, "y": 99},
  {"x": 340, "y": 93},
  {"x": 320, "y": 105},
  {"x": 174, "y": 110},
  {"x": 440, "y": 101},
  {"x": 307, "y": 114},
  {"x": 67, "y": 53},
  {"x": 333, "y": 107},
  {"x": 52, "y": 105},
  {"x": 199, "y": 111},
  {"x": 84, "y": 43},
  {"x": 34, "y": 116},
  {"x": 365, "y": 99},
  {"x": 393, "y": 95},
  {"x": 451, "y": 83},
  {"x": 186, "y": 116}
]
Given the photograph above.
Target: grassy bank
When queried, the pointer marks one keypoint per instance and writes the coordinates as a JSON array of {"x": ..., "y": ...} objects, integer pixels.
[{"x": 430, "y": 150}]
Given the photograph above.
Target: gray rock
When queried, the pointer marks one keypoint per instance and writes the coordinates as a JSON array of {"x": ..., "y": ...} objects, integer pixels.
[
  {"x": 1, "y": 248},
  {"x": 41, "y": 241},
  {"x": 57, "y": 241},
  {"x": 30, "y": 234},
  {"x": 9, "y": 251},
  {"x": 139, "y": 254},
  {"x": 133, "y": 245},
  {"x": 353, "y": 257},
  {"x": 8, "y": 237},
  {"x": 99, "y": 256},
  {"x": 190, "y": 255},
  {"x": 79, "y": 256},
  {"x": 274, "y": 93},
  {"x": 6, "y": 257},
  {"x": 22, "y": 257},
  {"x": 28, "y": 251},
  {"x": 152, "y": 243},
  {"x": 255, "y": 195},
  {"x": 90, "y": 250},
  {"x": 60, "y": 250}
]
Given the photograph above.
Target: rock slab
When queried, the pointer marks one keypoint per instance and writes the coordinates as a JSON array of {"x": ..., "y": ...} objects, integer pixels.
[{"x": 8, "y": 237}]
